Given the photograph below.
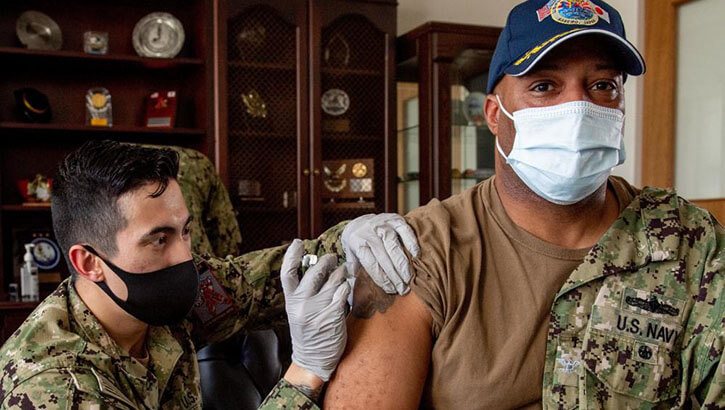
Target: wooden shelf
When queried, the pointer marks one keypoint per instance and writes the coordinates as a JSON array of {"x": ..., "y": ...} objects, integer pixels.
[
  {"x": 351, "y": 71},
  {"x": 265, "y": 210},
  {"x": 351, "y": 137},
  {"x": 262, "y": 66},
  {"x": 25, "y": 208},
  {"x": 348, "y": 206},
  {"x": 87, "y": 131},
  {"x": 8, "y": 305},
  {"x": 75, "y": 56},
  {"x": 263, "y": 135}
]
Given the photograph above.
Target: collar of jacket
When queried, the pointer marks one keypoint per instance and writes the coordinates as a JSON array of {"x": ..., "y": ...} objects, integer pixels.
[
  {"x": 648, "y": 230},
  {"x": 105, "y": 354}
]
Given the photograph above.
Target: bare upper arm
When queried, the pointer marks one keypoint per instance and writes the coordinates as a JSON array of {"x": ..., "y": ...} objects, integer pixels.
[{"x": 388, "y": 351}]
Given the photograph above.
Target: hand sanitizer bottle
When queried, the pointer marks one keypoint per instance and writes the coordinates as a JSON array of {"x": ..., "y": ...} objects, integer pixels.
[{"x": 29, "y": 276}]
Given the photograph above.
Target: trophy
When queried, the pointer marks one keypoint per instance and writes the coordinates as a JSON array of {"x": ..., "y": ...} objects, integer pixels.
[
  {"x": 95, "y": 42},
  {"x": 98, "y": 108},
  {"x": 337, "y": 52},
  {"x": 250, "y": 41},
  {"x": 161, "y": 109},
  {"x": 37, "y": 31},
  {"x": 255, "y": 105}
]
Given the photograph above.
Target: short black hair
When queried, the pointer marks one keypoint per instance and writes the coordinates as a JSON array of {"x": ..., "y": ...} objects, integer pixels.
[{"x": 88, "y": 184}]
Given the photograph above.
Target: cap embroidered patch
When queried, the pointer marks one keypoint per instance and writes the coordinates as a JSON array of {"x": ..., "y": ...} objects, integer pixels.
[
  {"x": 583, "y": 12},
  {"x": 573, "y": 12},
  {"x": 545, "y": 11},
  {"x": 603, "y": 14}
]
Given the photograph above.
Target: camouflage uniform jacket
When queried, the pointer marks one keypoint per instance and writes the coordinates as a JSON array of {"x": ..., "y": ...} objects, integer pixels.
[
  {"x": 61, "y": 357},
  {"x": 214, "y": 227},
  {"x": 640, "y": 323}
]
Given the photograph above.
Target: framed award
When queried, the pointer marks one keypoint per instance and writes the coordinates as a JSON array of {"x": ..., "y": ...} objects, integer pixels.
[
  {"x": 158, "y": 35},
  {"x": 348, "y": 179}
]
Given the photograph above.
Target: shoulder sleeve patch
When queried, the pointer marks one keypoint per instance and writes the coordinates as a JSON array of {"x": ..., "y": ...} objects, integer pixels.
[{"x": 213, "y": 303}]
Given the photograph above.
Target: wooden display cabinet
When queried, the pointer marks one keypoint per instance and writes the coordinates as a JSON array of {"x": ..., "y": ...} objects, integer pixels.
[
  {"x": 65, "y": 76},
  {"x": 287, "y": 54},
  {"x": 447, "y": 62}
]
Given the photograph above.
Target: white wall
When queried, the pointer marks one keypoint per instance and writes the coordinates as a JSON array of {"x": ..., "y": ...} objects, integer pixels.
[{"x": 412, "y": 13}]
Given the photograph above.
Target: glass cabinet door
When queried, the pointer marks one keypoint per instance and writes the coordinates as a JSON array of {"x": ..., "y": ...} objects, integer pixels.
[
  {"x": 262, "y": 106},
  {"x": 408, "y": 149},
  {"x": 354, "y": 117},
  {"x": 700, "y": 104},
  {"x": 472, "y": 144}
]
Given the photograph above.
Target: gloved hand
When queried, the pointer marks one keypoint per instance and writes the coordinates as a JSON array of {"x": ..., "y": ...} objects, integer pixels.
[
  {"x": 373, "y": 241},
  {"x": 316, "y": 309}
]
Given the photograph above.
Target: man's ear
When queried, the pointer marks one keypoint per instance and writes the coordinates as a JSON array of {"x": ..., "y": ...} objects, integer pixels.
[
  {"x": 86, "y": 264},
  {"x": 491, "y": 110}
]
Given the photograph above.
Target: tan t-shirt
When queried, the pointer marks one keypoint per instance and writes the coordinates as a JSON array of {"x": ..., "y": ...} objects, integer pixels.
[{"x": 489, "y": 286}]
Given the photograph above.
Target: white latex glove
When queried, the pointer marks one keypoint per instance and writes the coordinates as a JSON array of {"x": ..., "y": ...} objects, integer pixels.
[
  {"x": 316, "y": 310},
  {"x": 373, "y": 241}
]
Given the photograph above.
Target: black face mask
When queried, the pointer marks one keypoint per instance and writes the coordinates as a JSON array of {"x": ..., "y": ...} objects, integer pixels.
[{"x": 159, "y": 298}]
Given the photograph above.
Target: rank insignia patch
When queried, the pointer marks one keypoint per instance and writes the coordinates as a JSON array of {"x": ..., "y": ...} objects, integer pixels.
[{"x": 213, "y": 302}]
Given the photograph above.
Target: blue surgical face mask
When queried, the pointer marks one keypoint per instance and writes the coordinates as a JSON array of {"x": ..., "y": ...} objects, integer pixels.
[{"x": 565, "y": 152}]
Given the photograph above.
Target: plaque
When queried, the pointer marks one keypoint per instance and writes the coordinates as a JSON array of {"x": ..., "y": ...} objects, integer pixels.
[
  {"x": 335, "y": 102},
  {"x": 337, "y": 125},
  {"x": 37, "y": 31},
  {"x": 95, "y": 42},
  {"x": 46, "y": 255},
  {"x": 348, "y": 179},
  {"x": 98, "y": 108},
  {"x": 32, "y": 106},
  {"x": 161, "y": 109},
  {"x": 255, "y": 105},
  {"x": 159, "y": 35},
  {"x": 250, "y": 190}
]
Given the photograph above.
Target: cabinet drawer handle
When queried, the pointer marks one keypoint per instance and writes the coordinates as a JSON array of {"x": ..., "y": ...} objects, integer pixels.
[
  {"x": 306, "y": 172},
  {"x": 316, "y": 171}
]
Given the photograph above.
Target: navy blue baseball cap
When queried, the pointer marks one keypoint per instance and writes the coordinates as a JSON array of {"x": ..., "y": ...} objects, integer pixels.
[{"x": 535, "y": 27}]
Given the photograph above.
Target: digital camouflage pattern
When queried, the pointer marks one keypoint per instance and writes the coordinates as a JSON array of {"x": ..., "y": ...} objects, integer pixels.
[
  {"x": 640, "y": 324},
  {"x": 61, "y": 357},
  {"x": 286, "y": 396},
  {"x": 214, "y": 228}
]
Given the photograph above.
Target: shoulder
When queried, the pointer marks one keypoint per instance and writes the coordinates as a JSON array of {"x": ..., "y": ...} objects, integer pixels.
[
  {"x": 44, "y": 341},
  {"x": 51, "y": 387},
  {"x": 65, "y": 388},
  {"x": 441, "y": 223},
  {"x": 669, "y": 216},
  {"x": 698, "y": 239},
  {"x": 441, "y": 212},
  {"x": 193, "y": 164}
]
